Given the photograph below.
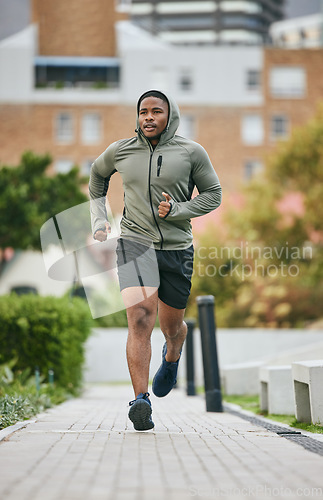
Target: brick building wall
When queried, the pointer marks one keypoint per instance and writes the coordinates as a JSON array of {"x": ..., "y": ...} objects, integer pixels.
[
  {"x": 76, "y": 27},
  {"x": 301, "y": 109},
  {"x": 218, "y": 129},
  {"x": 32, "y": 127}
]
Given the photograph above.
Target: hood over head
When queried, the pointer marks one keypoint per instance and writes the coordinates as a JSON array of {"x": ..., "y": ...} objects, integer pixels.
[{"x": 173, "y": 116}]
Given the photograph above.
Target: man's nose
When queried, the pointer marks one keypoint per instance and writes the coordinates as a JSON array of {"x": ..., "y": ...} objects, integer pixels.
[{"x": 149, "y": 116}]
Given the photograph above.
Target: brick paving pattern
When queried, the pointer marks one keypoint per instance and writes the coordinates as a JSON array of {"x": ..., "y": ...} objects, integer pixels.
[{"x": 87, "y": 449}]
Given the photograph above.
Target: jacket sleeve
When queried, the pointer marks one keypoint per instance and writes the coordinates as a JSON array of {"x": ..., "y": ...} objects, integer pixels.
[
  {"x": 101, "y": 171},
  {"x": 208, "y": 185}
]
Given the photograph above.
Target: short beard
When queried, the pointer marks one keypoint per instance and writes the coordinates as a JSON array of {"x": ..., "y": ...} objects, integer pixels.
[{"x": 157, "y": 136}]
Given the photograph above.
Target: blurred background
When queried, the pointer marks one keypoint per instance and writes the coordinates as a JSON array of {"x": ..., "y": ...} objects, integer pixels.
[{"x": 247, "y": 76}]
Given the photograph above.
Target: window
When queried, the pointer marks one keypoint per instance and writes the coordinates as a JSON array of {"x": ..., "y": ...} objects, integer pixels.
[
  {"x": 63, "y": 165},
  {"x": 187, "y": 127},
  {"x": 64, "y": 127},
  {"x": 180, "y": 22},
  {"x": 287, "y": 81},
  {"x": 159, "y": 78},
  {"x": 80, "y": 72},
  {"x": 91, "y": 132},
  {"x": 240, "y": 5},
  {"x": 243, "y": 21},
  {"x": 208, "y": 6},
  {"x": 239, "y": 36},
  {"x": 253, "y": 79},
  {"x": 186, "y": 79},
  {"x": 279, "y": 127},
  {"x": 252, "y": 168},
  {"x": 252, "y": 130},
  {"x": 86, "y": 166}
]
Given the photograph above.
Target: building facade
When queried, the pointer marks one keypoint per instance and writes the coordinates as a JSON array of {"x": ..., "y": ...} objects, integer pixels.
[
  {"x": 302, "y": 32},
  {"x": 208, "y": 22},
  {"x": 237, "y": 101}
]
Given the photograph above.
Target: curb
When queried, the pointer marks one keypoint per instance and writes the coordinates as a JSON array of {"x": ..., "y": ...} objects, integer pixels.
[
  {"x": 7, "y": 431},
  {"x": 238, "y": 409}
]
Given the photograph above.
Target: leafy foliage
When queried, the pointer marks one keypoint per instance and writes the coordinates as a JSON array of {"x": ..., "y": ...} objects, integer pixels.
[
  {"x": 277, "y": 279},
  {"x": 29, "y": 197},
  {"x": 19, "y": 397},
  {"x": 298, "y": 166},
  {"x": 45, "y": 332}
]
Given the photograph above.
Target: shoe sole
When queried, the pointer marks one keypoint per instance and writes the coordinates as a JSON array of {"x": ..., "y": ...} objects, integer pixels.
[{"x": 140, "y": 414}]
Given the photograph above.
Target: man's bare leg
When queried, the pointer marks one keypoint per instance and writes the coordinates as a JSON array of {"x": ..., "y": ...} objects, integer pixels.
[
  {"x": 174, "y": 328},
  {"x": 141, "y": 321}
]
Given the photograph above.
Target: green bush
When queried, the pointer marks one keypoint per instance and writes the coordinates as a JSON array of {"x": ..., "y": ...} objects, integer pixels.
[
  {"x": 47, "y": 333},
  {"x": 22, "y": 396},
  {"x": 258, "y": 285}
]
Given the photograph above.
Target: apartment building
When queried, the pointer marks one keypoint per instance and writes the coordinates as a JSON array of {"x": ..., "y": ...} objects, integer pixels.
[
  {"x": 73, "y": 100},
  {"x": 208, "y": 22},
  {"x": 301, "y": 32}
]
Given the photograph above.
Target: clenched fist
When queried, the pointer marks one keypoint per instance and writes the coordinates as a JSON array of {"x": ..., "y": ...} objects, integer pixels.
[{"x": 101, "y": 235}]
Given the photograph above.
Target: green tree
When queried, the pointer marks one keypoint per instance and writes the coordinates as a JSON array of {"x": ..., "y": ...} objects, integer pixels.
[
  {"x": 295, "y": 167},
  {"x": 29, "y": 197},
  {"x": 298, "y": 166},
  {"x": 283, "y": 244}
]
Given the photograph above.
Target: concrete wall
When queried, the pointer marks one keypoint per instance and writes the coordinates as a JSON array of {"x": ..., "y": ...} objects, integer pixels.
[
  {"x": 106, "y": 360},
  {"x": 16, "y": 66}
]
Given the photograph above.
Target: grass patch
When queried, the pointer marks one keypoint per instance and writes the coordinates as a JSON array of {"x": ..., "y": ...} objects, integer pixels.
[
  {"x": 252, "y": 403},
  {"x": 248, "y": 402}
]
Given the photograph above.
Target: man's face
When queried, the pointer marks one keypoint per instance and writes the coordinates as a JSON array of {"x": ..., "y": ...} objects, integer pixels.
[{"x": 153, "y": 117}]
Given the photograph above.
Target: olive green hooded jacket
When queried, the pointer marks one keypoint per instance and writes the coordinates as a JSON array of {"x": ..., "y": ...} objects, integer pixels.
[{"x": 175, "y": 166}]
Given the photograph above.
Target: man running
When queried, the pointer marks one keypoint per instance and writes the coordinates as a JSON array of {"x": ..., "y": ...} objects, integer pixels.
[{"x": 159, "y": 171}]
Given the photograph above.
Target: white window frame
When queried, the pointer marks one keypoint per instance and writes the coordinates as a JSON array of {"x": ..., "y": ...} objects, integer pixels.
[
  {"x": 64, "y": 134},
  {"x": 160, "y": 77},
  {"x": 187, "y": 126},
  {"x": 86, "y": 136},
  {"x": 281, "y": 82},
  {"x": 249, "y": 134}
]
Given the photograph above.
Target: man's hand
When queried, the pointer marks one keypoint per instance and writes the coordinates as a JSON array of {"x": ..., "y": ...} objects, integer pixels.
[
  {"x": 102, "y": 235},
  {"x": 164, "y": 206}
]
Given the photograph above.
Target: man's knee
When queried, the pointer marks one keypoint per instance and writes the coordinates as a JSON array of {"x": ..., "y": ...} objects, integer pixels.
[
  {"x": 172, "y": 329},
  {"x": 140, "y": 316}
]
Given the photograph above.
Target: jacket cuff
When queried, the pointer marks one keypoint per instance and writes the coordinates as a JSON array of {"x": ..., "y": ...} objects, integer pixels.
[{"x": 169, "y": 211}]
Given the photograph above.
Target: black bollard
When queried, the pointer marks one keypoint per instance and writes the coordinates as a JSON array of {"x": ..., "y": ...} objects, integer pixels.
[
  {"x": 210, "y": 359},
  {"x": 190, "y": 357}
]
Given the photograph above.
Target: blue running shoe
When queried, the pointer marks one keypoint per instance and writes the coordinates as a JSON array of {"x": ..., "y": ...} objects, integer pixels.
[
  {"x": 165, "y": 377},
  {"x": 140, "y": 412}
]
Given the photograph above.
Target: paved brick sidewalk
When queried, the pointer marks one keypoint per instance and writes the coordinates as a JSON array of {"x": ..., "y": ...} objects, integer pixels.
[{"x": 86, "y": 449}]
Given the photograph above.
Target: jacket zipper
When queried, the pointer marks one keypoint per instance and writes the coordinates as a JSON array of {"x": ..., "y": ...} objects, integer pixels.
[
  {"x": 159, "y": 164},
  {"x": 150, "y": 199}
]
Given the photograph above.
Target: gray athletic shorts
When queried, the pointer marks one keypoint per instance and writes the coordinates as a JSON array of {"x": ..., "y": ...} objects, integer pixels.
[{"x": 168, "y": 270}]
